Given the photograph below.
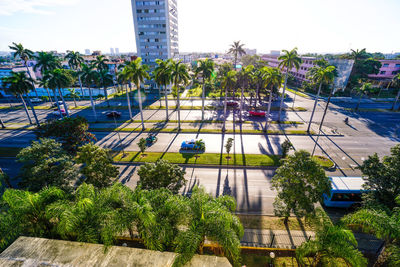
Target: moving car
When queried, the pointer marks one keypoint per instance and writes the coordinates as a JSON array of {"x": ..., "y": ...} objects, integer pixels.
[
  {"x": 57, "y": 113},
  {"x": 232, "y": 103},
  {"x": 345, "y": 193},
  {"x": 36, "y": 100},
  {"x": 193, "y": 145},
  {"x": 113, "y": 114},
  {"x": 257, "y": 113},
  {"x": 60, "y": 103},
  {"x": 151, "y": 139}
]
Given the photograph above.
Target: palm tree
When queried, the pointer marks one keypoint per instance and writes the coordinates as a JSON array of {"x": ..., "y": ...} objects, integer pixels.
[
  {"x": 321, "y": 75},
  {"x": 57, "y": 80},
  {"x": 44, "y": 83},
  {"x": 162, "y": 76},
  {"x": 245, "y": 77},
  {"x": 122, "y": 77},
  {"x": 365, "y": 88},
  {"x": 179, "y": 76},
  {"x": 89, "y": 77},
  {"x": 75, "y": 60},
  {"x": 19, "y": 85},
  {"x": 46, "y": 62},
  {"x": 74, "y": 94},
  {"x": 206, "y": 68},
  {"x": 105, "y": 79},
  {"x": 99, "y": 216},
  {"x": 101, "y": 64},
  {"x": 289, "y": 60},
  {"x": 24, "y": 54},
  {"x": 331, "y": 243},
  {"x": 210, "y": 219},
  {"x": 137, "y": 73},
  {"x": 273, "y": 79},
  {"x": 396, "y": 82},
  {"x": 228, "y": 82},
  {"x": 237, "y": 50}
]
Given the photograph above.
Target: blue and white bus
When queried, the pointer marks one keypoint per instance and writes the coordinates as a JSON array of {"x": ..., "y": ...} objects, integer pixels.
[{"x": 346, "y": 192}]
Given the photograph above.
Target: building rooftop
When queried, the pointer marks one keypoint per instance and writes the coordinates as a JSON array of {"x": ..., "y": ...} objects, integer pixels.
[{"x": 35, "y": 252}]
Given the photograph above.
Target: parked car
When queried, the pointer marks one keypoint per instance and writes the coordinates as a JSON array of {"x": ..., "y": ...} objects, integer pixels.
[
  {"x": 151, "y": 139},
  {"x": 57, "y": 113},
  {"x": 232, "y": 104},
  {"x": 257, "y": 113},
  {"x": 113, "y": 114},
  {"x": 193, "y": 145},
  {"x": 60, "y": 103},
  {"x": 36, "y": 100}
]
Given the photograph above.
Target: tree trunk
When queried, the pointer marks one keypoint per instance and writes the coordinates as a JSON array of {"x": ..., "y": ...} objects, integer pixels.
[
  {"x": 203, "y": 96},
  {"x": 30, "y": 76},
  {"x": 140, "y": 105},
  {"x": 166, "y": 102},
  {"x": 33, "y": 110},
  {"x": 315, "y": 105},
  {"x": 80, "y": 84},
  {"x": 283, "y": 95},
  {"x": 241, "y": 103},
  {"x": 2, "y": 124},
  {"x": 48, "y": 93},
  {"x": 226, "y": 99},
  {"x": 178, "y": 106},
  {"x": 395, "y": 100},
  {"x": 58, "y": 105},
  {"x": 359, "y": 102},
  {"x": 74, "y": 101},
  {"x": 159, "y": 94},
  {"x": 26, "y": 109},
  {"x": 268, "y": 112},
  {"x": 326, "y": 108},
  {"x": 129, "y": 103},
  {"x": 106, "y": 95},
  {"x": 91, "y": 102},
  {"x": 64, "y": 104},
  {"x": 286, "y": 220}
]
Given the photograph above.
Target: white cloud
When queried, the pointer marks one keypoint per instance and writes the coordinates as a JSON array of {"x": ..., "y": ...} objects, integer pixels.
[{"x": 10, "y": 7}]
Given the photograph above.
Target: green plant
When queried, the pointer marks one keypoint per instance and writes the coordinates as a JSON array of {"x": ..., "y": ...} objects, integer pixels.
[
  {"x": 286, "y": 146},
  {"x": 161, "y": 174},
  {"x": 200, "y": 145},
  {"x": 228, "y": 145},
  {"x": 142, "y": 144}
]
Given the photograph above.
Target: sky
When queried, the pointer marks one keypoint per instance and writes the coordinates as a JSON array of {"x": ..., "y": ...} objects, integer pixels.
[{"x": 319, "y": 26}]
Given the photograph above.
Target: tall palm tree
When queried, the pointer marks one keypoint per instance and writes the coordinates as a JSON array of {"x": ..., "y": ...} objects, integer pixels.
[
  {"x": 101, "y": 64},
  {"x": 321, "y": 75},
  {"x": 46, "y": 62},
  {"x": 290, "y": 59},
  {"x": 24, "y": 54},
  {"x": 364, "y": 89},
  {"x": 75, "y": 60},
  {"x": 245, "y": 77},
  {"x": 237, "y": 50},
  {"x": 105, "y": 79},
  {"x": 228, "y": 82},
  {"x": 44, "y": 83},
  {"x": 56, "y": 80},
  {"x": 396, "y": 82},
  {"x": 272, "y": 78},
  {"x": 162, "y": 76},
  {"x": 19, "y": 85},
  {"x": 122, "y": 77},
  {"x": 74, "y": 94},
  {"x": 137, "y": 73},
  {"x": 90, "y": 77},
  {"x": 206, "y": 69},
  {"x": 210, "y": 219},
  {"x": 179, "y": 76}
]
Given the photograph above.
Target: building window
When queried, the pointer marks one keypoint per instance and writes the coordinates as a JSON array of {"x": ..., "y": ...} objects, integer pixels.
[
  {"x": 382, "y": 72},
  {"x": 394, "y": 72},
  {"x": 385, "y": 65},
  {"x": 397, "y": 65}
]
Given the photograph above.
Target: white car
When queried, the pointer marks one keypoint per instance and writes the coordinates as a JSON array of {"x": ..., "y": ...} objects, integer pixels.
[{"x": 36, "y": 100}]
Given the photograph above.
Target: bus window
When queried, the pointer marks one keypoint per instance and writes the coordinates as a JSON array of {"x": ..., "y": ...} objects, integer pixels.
[{"x": 354, "y": 197}]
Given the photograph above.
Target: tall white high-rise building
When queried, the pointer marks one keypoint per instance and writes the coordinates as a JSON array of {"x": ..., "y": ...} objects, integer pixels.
[
  {"x": 87, "y": 51},
  {"x": 117, "y": 51},
  {"x": 112, "y": 51},
  {"x": 156, "y": 29}
]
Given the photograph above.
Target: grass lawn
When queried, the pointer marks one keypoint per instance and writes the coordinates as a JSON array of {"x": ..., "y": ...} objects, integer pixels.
[
  {"x": 197, "y": 91},
  {"x": 272, "y": 222},
  {"x": 199, "y": 158},
  {"x": 297, "y": 92},
  {"x": 324, "y": 162}
]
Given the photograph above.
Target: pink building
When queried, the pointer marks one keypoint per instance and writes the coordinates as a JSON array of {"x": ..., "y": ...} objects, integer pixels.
[
  {"x": 388, "y": 70},
  {"x": 300, "y": 74}
]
